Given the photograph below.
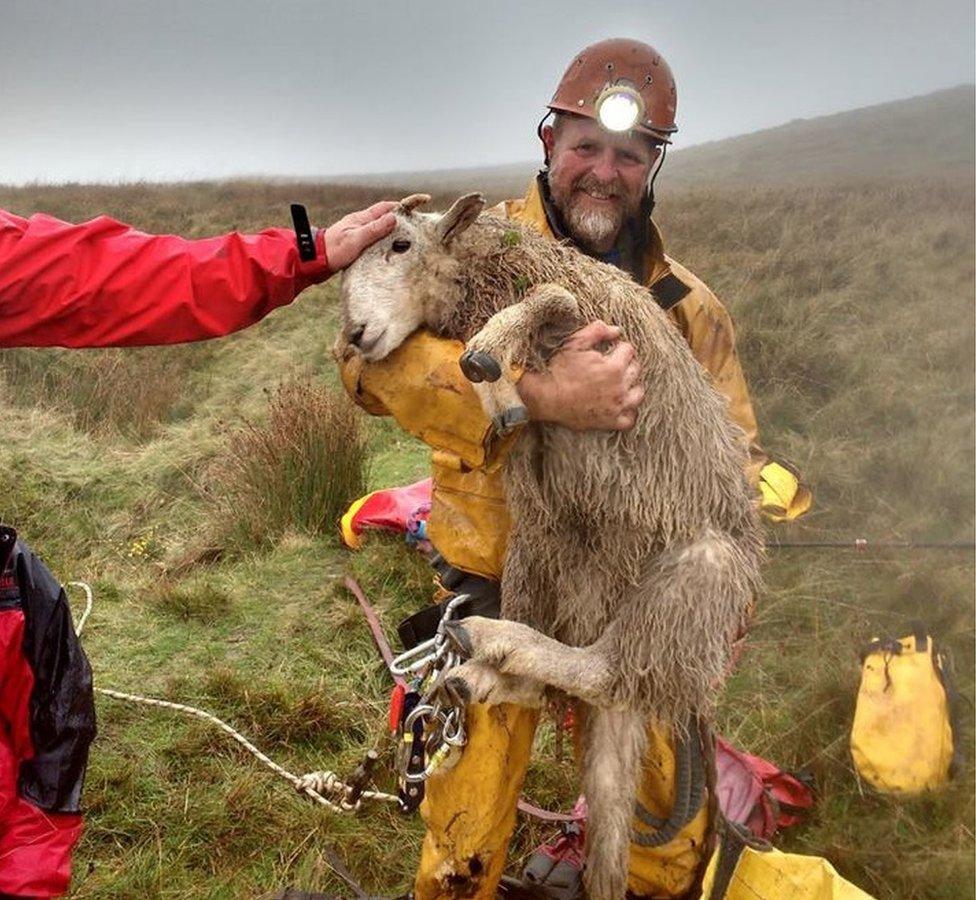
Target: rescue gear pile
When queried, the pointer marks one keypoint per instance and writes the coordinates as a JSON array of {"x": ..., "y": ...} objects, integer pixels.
[{"x": 902, "y": 738}]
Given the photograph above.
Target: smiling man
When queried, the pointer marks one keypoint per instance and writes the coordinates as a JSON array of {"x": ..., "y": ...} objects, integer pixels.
[{"x": 614, "y": 118}]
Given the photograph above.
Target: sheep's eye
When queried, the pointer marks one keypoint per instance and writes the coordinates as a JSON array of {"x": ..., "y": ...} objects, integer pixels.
[{"x": 401, "y": 246}]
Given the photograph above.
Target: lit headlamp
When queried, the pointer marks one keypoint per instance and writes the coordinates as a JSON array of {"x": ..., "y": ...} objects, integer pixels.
[{"x": 619, "y": 107}]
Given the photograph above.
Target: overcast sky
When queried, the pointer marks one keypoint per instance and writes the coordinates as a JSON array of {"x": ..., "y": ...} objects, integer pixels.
[{"x": 114, "y": 90}]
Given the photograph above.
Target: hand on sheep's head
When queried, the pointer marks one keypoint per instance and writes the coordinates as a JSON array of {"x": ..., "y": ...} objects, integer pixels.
[
  {"x": 593, "y": 383},
  {"x": 352, "y": 234},
  {"x": 383, "y": 296}
]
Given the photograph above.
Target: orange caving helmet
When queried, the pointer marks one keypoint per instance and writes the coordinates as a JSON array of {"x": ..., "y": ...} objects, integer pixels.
[{"x": 623, "y": 84}]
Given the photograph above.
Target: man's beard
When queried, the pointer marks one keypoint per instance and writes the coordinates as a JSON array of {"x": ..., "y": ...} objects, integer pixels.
[{"x": 594, "y": 230}]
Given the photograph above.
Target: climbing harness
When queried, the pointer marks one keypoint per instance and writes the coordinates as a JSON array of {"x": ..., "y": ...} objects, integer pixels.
[
  {"x": 427, "y": 718},
  {"x": 481, "y": 606}
]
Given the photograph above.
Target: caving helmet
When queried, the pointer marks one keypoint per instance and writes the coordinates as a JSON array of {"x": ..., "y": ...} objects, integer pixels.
[{"x": 623, "y": 84}]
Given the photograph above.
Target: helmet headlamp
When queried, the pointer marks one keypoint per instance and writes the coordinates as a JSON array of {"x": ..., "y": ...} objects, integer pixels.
[{"x": 619, "y": 107}]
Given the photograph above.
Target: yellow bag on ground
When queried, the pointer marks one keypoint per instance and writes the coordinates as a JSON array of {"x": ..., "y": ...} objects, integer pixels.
[
  {"x": 783, "y": 497},
  {"x": 901, "y": 739},
  {"x": 745, "y": 869}
]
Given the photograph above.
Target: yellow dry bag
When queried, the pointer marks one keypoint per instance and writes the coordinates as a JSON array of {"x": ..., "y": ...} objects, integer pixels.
[
  {"x": 744, "y": 868},
  {"x": 902, "y": 736}
]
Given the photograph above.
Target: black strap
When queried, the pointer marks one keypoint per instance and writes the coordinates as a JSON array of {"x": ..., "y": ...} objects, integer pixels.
[
  {"x": 735, "y": 838},
  {"x": 484, "y": 599},
  {"x": 669, "y": 291},
  {"x": 303, "y": 232}
]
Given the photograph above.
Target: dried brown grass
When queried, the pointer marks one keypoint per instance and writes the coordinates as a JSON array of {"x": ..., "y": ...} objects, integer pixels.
[{"x": 296, "y": 471}]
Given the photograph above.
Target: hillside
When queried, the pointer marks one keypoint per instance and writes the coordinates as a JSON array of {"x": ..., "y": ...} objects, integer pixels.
[
  {"x": 917, "y": 137},
  {"x": 929, "y": 135},
  {"x": 190, "y": 492}
]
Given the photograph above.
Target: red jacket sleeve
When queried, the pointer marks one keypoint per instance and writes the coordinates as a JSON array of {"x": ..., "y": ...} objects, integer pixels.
[{"x": 104, "y": 284}]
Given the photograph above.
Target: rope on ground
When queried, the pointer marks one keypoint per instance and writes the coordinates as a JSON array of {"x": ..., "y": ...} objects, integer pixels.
[
  {"x": 313, "y": 784},
  {"x": 89, "y": 599}
]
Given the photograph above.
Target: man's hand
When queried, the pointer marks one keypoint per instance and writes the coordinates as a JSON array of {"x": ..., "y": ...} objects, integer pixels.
[
  {"x": 352, "y": 234},
  {"x": 593, "y": 383}
]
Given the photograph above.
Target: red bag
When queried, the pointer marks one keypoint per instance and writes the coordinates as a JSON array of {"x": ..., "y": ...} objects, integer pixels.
[{"x": 755, "y": 793}]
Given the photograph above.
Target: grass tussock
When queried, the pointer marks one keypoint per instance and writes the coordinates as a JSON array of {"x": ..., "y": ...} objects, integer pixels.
[
  {"x": 129, "y": 393},
  {"x": 202, "y": 603},
  {"x": 297, "y": 471}
]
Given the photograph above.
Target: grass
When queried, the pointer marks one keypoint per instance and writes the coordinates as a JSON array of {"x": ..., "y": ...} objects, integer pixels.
[
  {"x": 854, "y": 305},
  {"x": 298, "y": 471}
]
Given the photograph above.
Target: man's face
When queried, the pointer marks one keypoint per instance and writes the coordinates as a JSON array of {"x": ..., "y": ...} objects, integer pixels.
[{"x": 597, "y": 178}]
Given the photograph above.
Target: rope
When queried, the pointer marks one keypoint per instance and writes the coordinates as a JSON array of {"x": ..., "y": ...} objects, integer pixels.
[
  {"x": 89, "y": 599},
  {"x": 313, "y": 784},
  {"x": 866, "y": 544}
]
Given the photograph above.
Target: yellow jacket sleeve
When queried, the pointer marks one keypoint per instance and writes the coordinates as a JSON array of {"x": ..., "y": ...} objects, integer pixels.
[
  {"x": 708, "y": 328},
  {"x": 421, "y": 385}
]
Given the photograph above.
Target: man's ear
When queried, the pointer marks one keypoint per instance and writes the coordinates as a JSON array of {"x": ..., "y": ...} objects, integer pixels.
[
  {"x": 548, "y": 139},
  {"x": 464, "y": 211}
]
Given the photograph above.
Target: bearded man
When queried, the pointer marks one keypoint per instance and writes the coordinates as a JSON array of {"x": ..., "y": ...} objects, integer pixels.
[{"x": 614, "y": 118}]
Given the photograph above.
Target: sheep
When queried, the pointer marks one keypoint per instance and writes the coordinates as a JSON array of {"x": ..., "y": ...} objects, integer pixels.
[{"x": 633, "y": 556}]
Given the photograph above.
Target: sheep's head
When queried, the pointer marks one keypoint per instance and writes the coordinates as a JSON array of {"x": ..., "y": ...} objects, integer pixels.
[{"x": 387, "y": 291}]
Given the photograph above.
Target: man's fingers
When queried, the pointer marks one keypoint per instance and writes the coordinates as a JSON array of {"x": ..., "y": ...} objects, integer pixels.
[
  {"x": 625, "y": 421},
  {"x": 373, "y": 231},
  {"x": 632, "y": 373},
  {"x": 344, "y": 241},
  {"x": 623, "y": 354},
  {"x": 594, "y": 333},
  {"x": 362, "y": 216},
  {"x": 634, "y": 397}
]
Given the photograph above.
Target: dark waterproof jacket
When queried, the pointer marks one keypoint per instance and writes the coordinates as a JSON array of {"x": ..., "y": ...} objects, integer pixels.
[{"x": 62, "y": 709}]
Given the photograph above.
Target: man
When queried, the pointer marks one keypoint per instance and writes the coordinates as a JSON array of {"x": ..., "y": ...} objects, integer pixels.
[
  {"x": 103, "y": 284},
  {"x": 596, "y": 191}
]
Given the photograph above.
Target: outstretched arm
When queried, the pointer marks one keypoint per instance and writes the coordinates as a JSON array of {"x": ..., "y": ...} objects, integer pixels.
[{"x": 104, "y": 284}]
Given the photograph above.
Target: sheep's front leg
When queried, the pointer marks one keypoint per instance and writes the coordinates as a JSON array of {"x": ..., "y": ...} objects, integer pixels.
[
  {"x": 517, "y": 650},
  {"x": 510, "y": 339},
  {"x": 478, "y": 682}
]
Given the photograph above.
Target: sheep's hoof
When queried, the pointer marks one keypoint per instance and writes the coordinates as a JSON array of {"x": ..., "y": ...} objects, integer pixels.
[
  {"x": 459, "y": 639},
  {"x": 479, "y": 366},
  {"x": 511, "y": 419}
]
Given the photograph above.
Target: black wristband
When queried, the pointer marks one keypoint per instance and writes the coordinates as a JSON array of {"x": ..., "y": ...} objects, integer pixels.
[{"x": 303, "y": 233}]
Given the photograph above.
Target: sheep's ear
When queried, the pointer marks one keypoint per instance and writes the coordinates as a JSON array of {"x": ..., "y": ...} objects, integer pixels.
[
  {"x": 409, "y": 204},
  {"x": 464, "y": 211}
]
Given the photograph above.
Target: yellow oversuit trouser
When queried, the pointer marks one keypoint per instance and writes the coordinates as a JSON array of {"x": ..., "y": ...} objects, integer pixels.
[{"x": 470, "y": 813}]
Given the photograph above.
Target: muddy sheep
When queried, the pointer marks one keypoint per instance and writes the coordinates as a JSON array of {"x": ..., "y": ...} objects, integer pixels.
[{"x": 633, "y": 556}]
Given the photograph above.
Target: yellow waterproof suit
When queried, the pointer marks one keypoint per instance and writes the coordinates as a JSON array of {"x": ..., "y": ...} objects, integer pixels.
[{"x": 470, "y": 810}]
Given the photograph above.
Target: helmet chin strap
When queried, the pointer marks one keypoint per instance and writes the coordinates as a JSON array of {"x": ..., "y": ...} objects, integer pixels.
[
  {"x": 538, "y": 131},
  {"x": 652, "y": 176}
]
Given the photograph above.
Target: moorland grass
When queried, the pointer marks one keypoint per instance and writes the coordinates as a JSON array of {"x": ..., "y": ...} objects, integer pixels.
[{"x": 854, "y": 308}]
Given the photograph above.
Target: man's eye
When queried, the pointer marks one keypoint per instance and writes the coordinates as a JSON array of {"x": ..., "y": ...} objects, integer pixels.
[{"x": 401, "y": 245}]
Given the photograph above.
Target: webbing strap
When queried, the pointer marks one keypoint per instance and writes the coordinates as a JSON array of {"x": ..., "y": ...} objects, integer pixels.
[{"x": 735, "y": 838}]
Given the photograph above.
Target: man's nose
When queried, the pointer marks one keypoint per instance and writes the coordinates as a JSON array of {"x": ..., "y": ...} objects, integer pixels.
[{"x": 605, "y": 167}]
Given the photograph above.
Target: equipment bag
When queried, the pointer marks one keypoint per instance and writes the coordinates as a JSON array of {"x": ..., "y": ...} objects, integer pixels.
[
  {"x": 746, "y": 869},
  {"x": 902, "y": 736},
  {"x": 758, "y": 794}
]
